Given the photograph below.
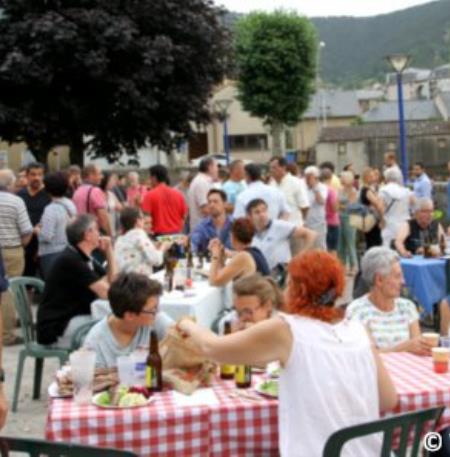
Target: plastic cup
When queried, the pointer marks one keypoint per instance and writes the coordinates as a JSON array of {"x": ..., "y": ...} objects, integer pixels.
[
  {"x": 440, "y": 359},
  {"x": 82, "y": 365},
  {"x": 139, "y": 357},
  {"x": 445, "y": 341},
  {"x": 431, "y": 338},
  {"x": 125, "y": 368}
]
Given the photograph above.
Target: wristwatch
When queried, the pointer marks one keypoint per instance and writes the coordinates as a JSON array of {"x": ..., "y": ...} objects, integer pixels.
[{"x": 2, "y": 375}]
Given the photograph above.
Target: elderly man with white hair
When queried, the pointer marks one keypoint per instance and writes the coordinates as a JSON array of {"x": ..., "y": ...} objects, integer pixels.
[
  {"x": 397, "y": 200},
  {"x": 15, "y": 233},
  {"x": 421, "y": 230},
  {"x": 392, "y": 321},
  {"x": 317, "y": 196}
]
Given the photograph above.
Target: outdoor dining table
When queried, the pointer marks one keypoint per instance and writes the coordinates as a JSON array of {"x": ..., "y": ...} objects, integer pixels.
[
  {"x": 233, "y": 426},
  {"x": 426, "y": 280},
  {"x": 202, "y": 301}
]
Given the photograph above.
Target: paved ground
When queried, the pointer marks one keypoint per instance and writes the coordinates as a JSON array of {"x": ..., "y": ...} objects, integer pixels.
[{"x": 30, "y": 419}]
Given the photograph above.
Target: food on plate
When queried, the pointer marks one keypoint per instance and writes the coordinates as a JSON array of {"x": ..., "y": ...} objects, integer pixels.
[
  {"x": 269, "y": 387},
  {"x": 122, "y": 397},
  {"x": 187, "y": 380}
]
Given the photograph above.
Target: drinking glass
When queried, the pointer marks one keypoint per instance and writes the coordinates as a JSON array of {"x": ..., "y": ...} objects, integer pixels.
[
  {"x": 125, "y": 368},
  {"x": 82, "y": 364}
]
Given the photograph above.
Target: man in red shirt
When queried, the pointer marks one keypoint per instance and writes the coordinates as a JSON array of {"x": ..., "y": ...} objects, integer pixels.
[{"x": 164, "y": 204}]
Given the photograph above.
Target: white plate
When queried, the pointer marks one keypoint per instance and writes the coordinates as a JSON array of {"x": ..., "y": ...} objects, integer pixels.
[
  {"x": 273, "y": 370},
  {"x": 260, "y": 390},
  {"x": 53, "y": 391},
  {"x": 95, "y": 398}
]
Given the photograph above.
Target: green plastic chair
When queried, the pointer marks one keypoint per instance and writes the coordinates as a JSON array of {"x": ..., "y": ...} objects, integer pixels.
[
  {"x": 405, "y": 422},
  {"x": 39, "y": 448},
  {"x": 33, "y": 349},
  {"x": 80, "y": 335}
]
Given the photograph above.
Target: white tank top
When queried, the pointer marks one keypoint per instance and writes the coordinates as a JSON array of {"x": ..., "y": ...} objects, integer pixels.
[{"x": 329, "y": 382}]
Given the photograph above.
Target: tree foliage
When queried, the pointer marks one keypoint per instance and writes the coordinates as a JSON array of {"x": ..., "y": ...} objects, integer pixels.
[
  {"x": 120, "y": 73},
  {"x": 276, "y": 61}
]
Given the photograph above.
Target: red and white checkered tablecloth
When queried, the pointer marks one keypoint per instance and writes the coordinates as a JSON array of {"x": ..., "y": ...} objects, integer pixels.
[
  {"x": 418, "y": 386},
  {"x": 236, "y": 427}
]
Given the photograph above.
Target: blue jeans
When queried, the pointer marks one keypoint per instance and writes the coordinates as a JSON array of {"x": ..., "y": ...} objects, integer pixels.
[{"x": 347, "y": 242}]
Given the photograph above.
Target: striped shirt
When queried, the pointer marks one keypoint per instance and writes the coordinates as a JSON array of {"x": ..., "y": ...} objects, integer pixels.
[
  {"x": 388, "y": 328},
  {"x": 15, "y": 222},
  {"x": 52, "y": 237}
]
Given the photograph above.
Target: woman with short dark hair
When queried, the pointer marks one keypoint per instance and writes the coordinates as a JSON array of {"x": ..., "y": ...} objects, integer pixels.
[
  {"x": 52, "y": 235},
  {"x": 245, "y": 261},
  {"x": 134, "y": 251}
]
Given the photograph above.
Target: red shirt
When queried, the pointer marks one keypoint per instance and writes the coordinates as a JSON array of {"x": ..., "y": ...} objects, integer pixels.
[{"x": 167, "y": 207}]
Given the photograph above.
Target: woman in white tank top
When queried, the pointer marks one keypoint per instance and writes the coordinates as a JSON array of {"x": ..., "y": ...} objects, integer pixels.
[{"x": 332, "y": 378}]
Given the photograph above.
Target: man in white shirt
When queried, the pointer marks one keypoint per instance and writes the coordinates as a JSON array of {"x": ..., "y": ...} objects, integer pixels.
[
  {"x": 316, "y": 219},
  {"x": 199, "y": 188},
  {"x": 273, "y": 236},
  {"x": 275, "y": 200}
]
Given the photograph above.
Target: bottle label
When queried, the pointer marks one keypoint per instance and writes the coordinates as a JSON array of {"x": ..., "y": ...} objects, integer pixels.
[
  {"x": 150, "y": 378},
  {"x": 241, "y": 374},
  {"x": 227, "y": 369}
]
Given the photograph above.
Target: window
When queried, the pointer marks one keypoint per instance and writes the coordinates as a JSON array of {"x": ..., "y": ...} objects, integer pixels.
[
  {"x": 248, "y": 142},
  {"x": 3, "y": 159}
]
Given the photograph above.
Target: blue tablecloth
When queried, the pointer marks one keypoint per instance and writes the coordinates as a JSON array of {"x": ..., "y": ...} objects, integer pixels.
[{"x": 426, "y": 280}]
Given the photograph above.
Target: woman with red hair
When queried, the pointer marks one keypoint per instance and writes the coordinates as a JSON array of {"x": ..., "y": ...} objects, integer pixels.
[{"x": 332, "y": 376}]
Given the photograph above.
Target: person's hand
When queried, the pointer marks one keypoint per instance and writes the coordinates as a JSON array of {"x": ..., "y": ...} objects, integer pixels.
[
  {"x": 215, "y": 247},
  {"x": 182, "y": 240},
  {"x": 418, "y": 346},
  {"x": 105, "y": 243},
  {"x": 3, "y": 407},
  {"x": 164, "y": 246},
  {"x": 37, "y": 229},
  {"x": 420, "y": 251},
  {"x": 407, "y": 255},
  {"x": 229, "y": 254},
  {"x": 186, "y": 327}
]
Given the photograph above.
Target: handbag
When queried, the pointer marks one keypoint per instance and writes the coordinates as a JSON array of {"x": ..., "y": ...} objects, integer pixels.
[{"x": 361, "y": 217}]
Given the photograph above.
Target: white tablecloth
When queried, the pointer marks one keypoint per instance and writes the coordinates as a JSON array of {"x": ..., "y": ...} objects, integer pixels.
[{"x": 203, "y": 302}]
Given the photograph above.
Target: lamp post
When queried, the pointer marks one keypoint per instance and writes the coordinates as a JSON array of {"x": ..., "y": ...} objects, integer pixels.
[
  {"x": 320, "y": 94},
  {"x": 399, "y": 62},
  {"x": 222, "y": 107}
]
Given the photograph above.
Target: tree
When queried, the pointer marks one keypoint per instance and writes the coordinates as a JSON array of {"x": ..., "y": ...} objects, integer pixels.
[
  {"x": 276, "y": 61},
  {"x": 114, "y": 75}
]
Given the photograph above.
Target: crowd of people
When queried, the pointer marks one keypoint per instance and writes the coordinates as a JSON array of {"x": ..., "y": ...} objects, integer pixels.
[{"x": 283, "y": 238}]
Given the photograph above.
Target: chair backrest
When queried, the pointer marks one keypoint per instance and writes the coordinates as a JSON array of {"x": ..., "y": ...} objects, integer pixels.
[
  {"x": 410, "y": 425},
  {"x": 38, "y": 448},
  {"x": 19, "y": 288}
]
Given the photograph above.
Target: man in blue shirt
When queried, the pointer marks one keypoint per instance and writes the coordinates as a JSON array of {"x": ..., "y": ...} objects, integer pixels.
[
  {"x": 235, "y": 184},
  {"x": 422, "y": 184},
  {"x": 216, "y": 225}
]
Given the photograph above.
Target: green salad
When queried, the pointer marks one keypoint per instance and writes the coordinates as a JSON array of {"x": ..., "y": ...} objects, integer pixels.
[{"x": 269, "y": 387}]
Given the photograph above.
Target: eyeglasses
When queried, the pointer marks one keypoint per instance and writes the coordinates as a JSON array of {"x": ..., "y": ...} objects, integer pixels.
[
  {"x": 150, "y": 312},
  {"x": 246, "y": 311}
]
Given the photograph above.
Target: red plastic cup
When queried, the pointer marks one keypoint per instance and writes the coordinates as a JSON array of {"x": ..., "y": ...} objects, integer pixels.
[{"x": 440, "y": 367}]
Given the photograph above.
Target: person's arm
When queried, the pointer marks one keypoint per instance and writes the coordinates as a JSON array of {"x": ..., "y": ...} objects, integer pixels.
[
  {"x": 3, "y": 402},
  {"x": 103, "y": 220},
  {"x": 153, "y": 255},
  {"x": 23, "y": 223},
  {"x": 415, "y": 344},
  {"x": 375, "y": 201},
  {"x": 262, "y": 343},
  {"x": 309, "y": 236},
  {"x": 235, "y": 267},
  {"x": 106, "y": 247},
  {"x": 48, "y": 226},
  {"x": 318, "y": 197},
  {"x": 100, "y": 288},
  {"x": 402, "y": 234},
  {"x": 386, "y": 389},
  {"x": 25, "y": 239}
]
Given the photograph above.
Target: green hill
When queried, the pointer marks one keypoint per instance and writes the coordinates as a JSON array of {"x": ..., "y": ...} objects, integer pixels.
[{"x": 355, "y": 46}]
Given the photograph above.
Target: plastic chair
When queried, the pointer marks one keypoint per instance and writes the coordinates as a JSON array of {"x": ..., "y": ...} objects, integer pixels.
[
  {"x": 404, "y": 422},
  {"x": 38, "y": 448},
  {"x": 80, "y": 335},
  {"x": 33, "y": 349}
]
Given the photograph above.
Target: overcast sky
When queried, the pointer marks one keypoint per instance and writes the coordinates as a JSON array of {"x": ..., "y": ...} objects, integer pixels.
[{"x": 323, "y": 7}]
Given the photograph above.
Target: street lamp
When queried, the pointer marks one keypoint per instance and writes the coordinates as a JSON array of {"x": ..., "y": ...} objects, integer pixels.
[
  {"x": 399, "y": 62},
  {"x": 320, "y": 94},
  {"x": 222, "y": 107}
]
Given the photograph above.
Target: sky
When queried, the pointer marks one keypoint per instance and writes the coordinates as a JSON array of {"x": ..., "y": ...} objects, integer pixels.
[{"x": 312, "y": 8}]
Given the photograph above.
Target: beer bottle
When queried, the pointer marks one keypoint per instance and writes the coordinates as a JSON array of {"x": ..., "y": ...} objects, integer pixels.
[
  {"x": 442, "y": 245},
  {"x": 153, "y": 370},
  {"x": 227, "y": 371},
  {"x": 190, "y": 259},
  {"x": 243, "y": 376}
]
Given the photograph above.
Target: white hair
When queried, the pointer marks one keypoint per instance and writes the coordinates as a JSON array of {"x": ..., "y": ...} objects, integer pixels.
[
  {"x": 393, "y": 175},
  {"x": 312, "y": 170},
  {"x": 377, "y": 260},
  {"x": 422, "y": 203},
  {"x": 7, "y": 178}
]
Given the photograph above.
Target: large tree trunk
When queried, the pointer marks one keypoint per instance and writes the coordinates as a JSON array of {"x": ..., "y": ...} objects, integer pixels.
[
  {"x": 277, "y": 142},
  {"x": 77, "y": 148}
]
